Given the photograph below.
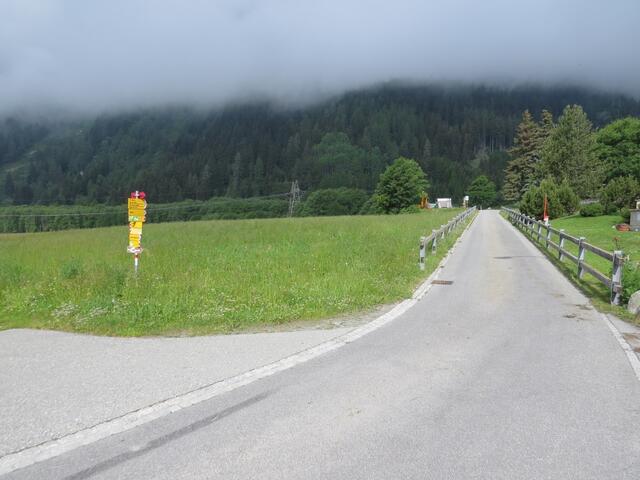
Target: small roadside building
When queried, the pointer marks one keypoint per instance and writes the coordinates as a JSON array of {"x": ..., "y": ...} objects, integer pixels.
[{"x": 444, "y": 203}]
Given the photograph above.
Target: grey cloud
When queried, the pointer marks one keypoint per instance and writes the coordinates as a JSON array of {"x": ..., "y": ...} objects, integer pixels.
[{"x": 95, "y": 56}]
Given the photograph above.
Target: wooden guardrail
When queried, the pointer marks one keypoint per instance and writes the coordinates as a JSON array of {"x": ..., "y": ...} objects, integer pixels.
[
  {"x": 438, "y": 235},
  {"x": 543, "y": 233}
]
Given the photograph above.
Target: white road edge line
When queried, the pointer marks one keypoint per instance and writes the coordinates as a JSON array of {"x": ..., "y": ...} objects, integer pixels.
[
  {"x": 54, "y": 448},
  {"x": 631, "y": 355}
]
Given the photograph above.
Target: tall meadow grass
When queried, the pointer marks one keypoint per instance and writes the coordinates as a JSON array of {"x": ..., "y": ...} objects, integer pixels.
[{"x": 211, "y": 276}]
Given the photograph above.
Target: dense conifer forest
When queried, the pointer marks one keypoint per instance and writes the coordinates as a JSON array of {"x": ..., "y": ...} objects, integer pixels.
[{"x": 257, "y": 149}]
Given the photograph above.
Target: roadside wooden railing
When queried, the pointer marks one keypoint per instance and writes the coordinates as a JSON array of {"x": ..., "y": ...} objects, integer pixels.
[
  {"x": 543, "y": 234},
  {"x": 437, "y": 236}
]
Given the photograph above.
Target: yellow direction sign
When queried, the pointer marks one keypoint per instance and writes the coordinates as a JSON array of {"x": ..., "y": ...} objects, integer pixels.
[
  {"x": 134, "y": 241},
  {"x": 135, "y": 234},
  {"x": 138, "y": 203},
  {"x": 137, "y": 216},
  {"x": 137, "y": 211}
]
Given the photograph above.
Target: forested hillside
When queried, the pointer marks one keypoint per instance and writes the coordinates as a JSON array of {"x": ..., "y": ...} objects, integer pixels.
[{"x": 254, "y": 150}]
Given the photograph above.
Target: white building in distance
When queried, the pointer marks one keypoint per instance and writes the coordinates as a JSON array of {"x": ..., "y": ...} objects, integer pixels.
[{"x": 444, "y": 203}]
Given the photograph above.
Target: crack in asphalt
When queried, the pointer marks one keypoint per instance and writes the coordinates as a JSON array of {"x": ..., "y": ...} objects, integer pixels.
[{"x": 163, "y": 440}]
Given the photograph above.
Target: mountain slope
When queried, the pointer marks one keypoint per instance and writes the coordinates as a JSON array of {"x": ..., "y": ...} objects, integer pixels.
[{"x": 258, "y": 149}]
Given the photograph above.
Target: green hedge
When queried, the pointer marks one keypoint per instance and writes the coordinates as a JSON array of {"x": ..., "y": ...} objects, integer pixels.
[{"x": 25, "y": 219}]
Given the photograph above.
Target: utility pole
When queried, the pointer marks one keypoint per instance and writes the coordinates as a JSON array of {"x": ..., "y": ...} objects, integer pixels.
[{"x": 294, "y": 197}]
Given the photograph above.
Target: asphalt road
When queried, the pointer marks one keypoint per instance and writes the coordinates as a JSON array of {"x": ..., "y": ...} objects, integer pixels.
[
  {"x": 53, "y": 383},
  {"x": 506, "y": 373}
]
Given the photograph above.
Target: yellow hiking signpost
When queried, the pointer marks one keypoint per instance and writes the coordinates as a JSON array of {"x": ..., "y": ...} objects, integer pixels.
[{"x": 137, "y": 216}]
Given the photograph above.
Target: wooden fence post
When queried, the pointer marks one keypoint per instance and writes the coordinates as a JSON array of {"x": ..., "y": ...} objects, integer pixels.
[
  {"x": 581, "y": 252},
  {"x": 434, "y": 244},
  {"x": 561, "y": 244},
  {"x": 422, "y": 253},
  {"x": 539, "y": 232},
  {"x": 616, "y": 277},
  {"x": 548, "y": 237}
]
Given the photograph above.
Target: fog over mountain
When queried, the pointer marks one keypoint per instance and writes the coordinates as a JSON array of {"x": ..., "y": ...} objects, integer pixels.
[{"x": 91, "y": 57}]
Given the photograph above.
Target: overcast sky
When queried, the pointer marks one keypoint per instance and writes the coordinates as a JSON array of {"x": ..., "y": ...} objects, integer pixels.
[{"x": 103, "y": 55}]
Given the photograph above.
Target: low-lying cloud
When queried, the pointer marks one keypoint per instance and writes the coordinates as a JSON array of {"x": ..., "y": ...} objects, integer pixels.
[{"x": 96, "y": 56}]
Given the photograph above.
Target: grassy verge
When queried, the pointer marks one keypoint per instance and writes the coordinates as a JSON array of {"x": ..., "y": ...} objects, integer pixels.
[
  {"x": 598, "y": 231},
  {"x": 213, "y": 276}
]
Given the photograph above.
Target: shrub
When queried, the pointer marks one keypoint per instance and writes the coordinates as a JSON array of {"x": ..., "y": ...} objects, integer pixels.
[
  {"x": 561, "y": 200},
  {"x": 532, "y": 202},
  {"x": 592, "y": 210},
  {"x": 334, "y": 201},
  {"x": 371, "y": 207},
  {"x": 625, "y": 213},
  {"x": 619, "y": 193},
  {"x": 630, "y": 281},
  {"x": 411, "y": 209},
  {"x": 568, "y": 198}
]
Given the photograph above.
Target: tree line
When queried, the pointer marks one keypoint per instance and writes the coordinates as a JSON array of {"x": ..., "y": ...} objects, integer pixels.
[
  {"x": 572, "y": 163},
  {"x": 563, "y": 162}
]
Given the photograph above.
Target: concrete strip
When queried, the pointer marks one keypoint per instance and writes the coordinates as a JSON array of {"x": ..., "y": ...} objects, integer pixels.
[{"x": 633, "y": 359}]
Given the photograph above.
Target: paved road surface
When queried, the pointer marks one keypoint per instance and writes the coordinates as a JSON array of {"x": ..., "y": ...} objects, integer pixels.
[
  {"x": 505, "y": 374},
  {"x": 53, "y": 383}
]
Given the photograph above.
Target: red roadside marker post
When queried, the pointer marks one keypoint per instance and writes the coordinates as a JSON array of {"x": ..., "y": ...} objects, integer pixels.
[{"x": 545, "y": 215}]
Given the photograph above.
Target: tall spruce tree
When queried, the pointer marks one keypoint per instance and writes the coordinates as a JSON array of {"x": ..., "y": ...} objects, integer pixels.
[
  {"x": 521, "y": 170},
  {"x": 568, "y": 154},
  {"x": 545, "y": 127}
]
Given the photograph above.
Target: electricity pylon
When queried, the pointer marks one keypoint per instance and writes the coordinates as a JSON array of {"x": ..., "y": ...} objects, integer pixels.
[{"x": 294, "y": 197}]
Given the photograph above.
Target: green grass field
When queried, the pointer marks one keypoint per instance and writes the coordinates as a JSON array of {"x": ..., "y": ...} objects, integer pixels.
[
  {"x": 600, "y": 231},
  {"x": 211, "y": 276}
]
